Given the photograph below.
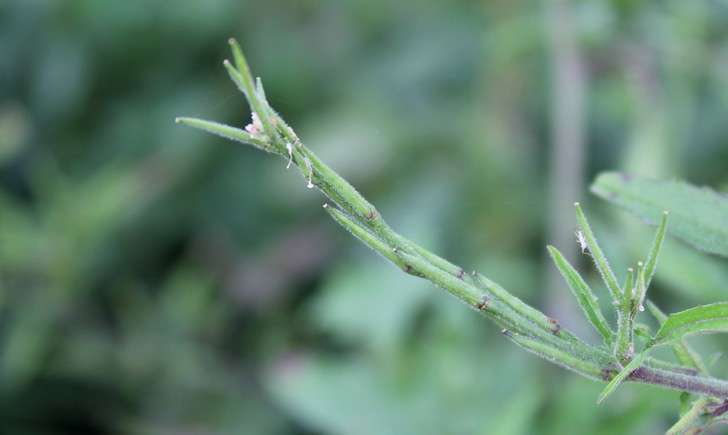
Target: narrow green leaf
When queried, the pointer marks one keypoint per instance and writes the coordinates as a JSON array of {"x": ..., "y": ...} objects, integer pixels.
[
  {"x": 243, "y": 78},
  {"x": 696, "y": 320},
  {"x": 698, "y": 215},
  {"x": 621, "y": 376},
  {"x": 654, "y": 254},
  {"x": 683, "y": 352},
  {"x": 275, "y": 119},
  {"x": 225, "y": 131},
  {"x": 364, "y": 235},
  {"x": 659, "y": 315},
  {"x": 583, "y": 294},
  {"x": 639, "y": 290},
  {"x": 625, "y": 338},
  {"x": 241, "y": 66},
  {"x": 259, "y": 89},
  {"x": 555, "y": 355},
  {"x": 600, "y": 260},
  {"x": 466, "y": 292},
  {"x": 516, "y": 304}
]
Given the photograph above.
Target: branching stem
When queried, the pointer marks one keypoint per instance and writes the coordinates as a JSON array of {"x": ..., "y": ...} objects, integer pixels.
[{"x": 521, "y": 323}]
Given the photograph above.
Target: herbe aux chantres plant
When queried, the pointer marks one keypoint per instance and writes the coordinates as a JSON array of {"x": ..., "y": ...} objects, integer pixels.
[{"x": 624, "y": 353}]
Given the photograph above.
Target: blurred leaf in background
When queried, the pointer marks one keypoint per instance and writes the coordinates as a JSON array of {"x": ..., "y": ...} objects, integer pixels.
[{"x": 154, "y": 280}]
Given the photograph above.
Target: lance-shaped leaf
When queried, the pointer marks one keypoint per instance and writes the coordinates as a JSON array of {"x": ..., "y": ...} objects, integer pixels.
[
  {"x": 555, "y": 355},
  {"x": 600, "y": 260},
  {"x": 625, "y": 338},
  {"x": 696, "y": 320},
  {"x": 654, "y": 254},
  {"x": 684, "y": 353},
  {"x": 698, "y": 215},
  {"x": 583, "y": 294},
  {"x": 226, "y": 131},
  {"x": 621, "y": 376},
  {"x": 364, "y": 235},
  {"x": 639, "y": 291},
  {"x": 243, "y": 78}
]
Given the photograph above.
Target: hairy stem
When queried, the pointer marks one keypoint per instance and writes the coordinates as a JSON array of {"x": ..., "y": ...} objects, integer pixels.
[
  {"x": 704, "y": 386},
  {"x": 522, "y": 324},
  {"x": 690, "y": 418},
  {"x": 623, "y": 349}
]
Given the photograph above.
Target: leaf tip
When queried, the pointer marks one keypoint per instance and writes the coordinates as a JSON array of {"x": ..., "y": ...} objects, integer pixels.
[
  {"x": 234, "y": 45},
  {"x": 604, "y": 394},
  {"x": 183, "y": 120}
]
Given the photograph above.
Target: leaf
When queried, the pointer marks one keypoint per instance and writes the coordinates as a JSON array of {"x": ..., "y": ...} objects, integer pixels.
[
  {"x": 639, "y": 291},
  {"x": 621, "y": 376},
  {"x": 583, "y": 294},
  {"x": 654, "y": 254},
  {"x": 242, "y": 77},
  {"x": 624, "y": 317},
  {"x": 698, "y": 214},
  {"x": 692, "y": 274},
  {"x": 364, "y": 235},
  {"x": 656, "y": 312},
  {"x": 600, "y": 260},
  {"x": 684, "y": 353},
  {"x": 696, "y": 320},
  {"x": 225, "y": 131}
]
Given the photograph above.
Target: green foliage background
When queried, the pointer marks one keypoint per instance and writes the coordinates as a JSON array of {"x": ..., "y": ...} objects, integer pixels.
[{"x": 156, "y": 280}]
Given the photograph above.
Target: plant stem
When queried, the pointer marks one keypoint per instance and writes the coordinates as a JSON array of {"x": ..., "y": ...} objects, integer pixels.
[
  {"x": 688, "y": 420},
  {"x": 623, "y": 350},
  {"x": 702, "y": 385},
  {"x": 523, "y": 324}
]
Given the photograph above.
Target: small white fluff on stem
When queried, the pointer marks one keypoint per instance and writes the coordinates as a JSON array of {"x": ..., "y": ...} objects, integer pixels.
[
  {"x": 581, "y": 240},
  {"x": 289, "y": 147},
  {"x": 309, "y": 166}
]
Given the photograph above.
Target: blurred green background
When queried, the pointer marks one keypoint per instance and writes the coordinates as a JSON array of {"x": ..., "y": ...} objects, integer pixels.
[{"x": 156, "y": 280}]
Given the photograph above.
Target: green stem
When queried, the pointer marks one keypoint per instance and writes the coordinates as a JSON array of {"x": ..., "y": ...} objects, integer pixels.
[
  {"x": 624, "y": 345},
  {"x": 523, "y": 324},
  {"x": 689, "y": 419}
]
